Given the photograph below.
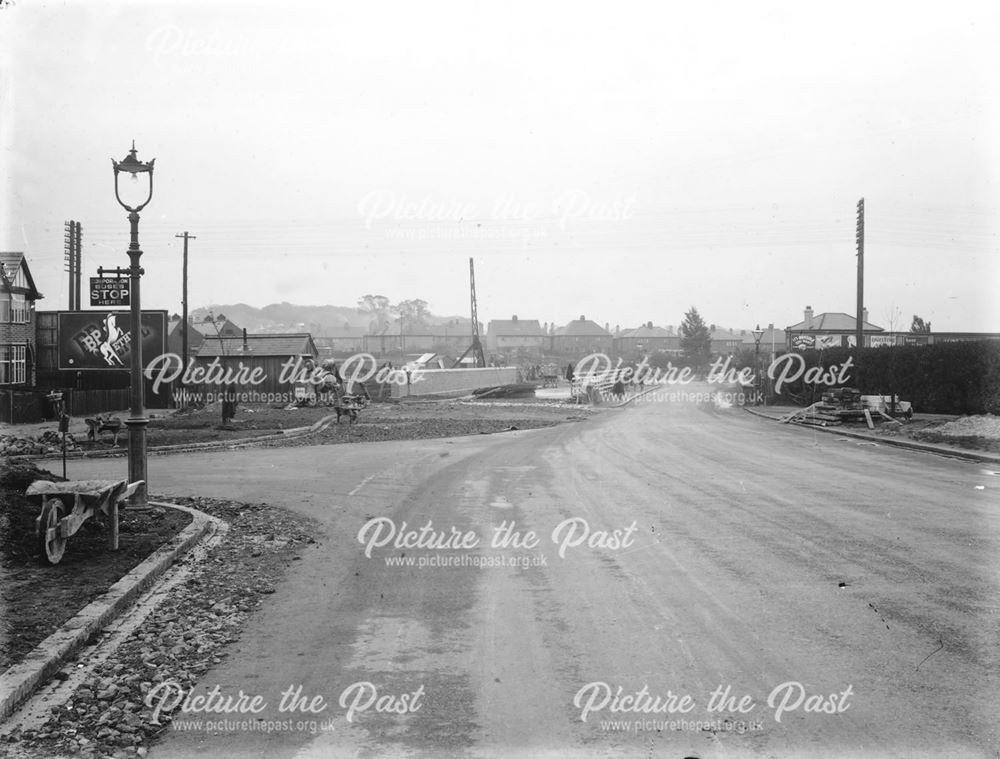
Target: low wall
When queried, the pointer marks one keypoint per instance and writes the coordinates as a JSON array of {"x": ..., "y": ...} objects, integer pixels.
[{"x": 445, "y": 383}]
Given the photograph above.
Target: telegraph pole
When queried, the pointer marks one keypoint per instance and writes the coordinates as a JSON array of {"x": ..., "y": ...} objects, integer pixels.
[
  {"x": 184, "y": 305},
  {"x": 73, "y": 238},
  {"x": 860, "y": 237},
  {"x": 78, "y": 238},
  {"x": 69, "y": 254}
]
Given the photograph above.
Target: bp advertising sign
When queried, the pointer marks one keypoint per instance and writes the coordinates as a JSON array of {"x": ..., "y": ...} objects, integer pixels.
[{"x": 102, "y": 339}]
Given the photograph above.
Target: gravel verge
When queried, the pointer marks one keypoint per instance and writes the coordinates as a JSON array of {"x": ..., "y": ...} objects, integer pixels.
[
  {"x": 418, "y": 420},
  {"x": 107, "y": 716}
]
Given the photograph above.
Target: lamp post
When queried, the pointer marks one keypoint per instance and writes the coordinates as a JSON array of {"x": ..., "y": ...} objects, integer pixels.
[
  {"x": 137, "y": 420},
  {"x": 758, "y": 333}
]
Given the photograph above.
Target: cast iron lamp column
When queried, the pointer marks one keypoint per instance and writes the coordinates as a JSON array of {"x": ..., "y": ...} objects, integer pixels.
[
  {"x": 757, "y": 335},
  {"x": 137, "y": 420}
]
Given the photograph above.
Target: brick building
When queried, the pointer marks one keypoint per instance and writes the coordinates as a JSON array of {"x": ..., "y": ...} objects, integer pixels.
[
  {"x": 580, "y": 338},
  {"x": 647, "y": 339},
  {"x": 17, "y": 320},
  {"x": 515, "y": 337}
]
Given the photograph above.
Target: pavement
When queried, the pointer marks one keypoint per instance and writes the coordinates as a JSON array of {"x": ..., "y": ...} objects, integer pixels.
[
  {"x": 809, "y": 595},
  {"x": 777, "y": 412}
]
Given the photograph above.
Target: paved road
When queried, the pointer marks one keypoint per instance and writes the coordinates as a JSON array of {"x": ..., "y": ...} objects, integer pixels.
[{"x": 849, "y": 589}]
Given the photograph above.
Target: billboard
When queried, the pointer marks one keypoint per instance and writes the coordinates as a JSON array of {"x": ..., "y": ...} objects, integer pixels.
[
  {"x": 881, "y": 341},
  {"x": 102, "y": 339},
  {"x": 822, "y": 342}
]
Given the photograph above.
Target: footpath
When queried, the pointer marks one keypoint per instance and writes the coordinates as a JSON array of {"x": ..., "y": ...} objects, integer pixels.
[{"x": 775, "y": 413}]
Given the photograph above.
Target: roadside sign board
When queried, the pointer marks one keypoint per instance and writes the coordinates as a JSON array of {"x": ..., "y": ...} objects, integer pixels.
[
  {"x": 101, "y": 339},
  {"x": 106, "y": 292}
]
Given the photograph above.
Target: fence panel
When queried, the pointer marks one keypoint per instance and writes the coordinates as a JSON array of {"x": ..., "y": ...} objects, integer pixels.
[
  {"x": 89, "y": 402},
  {"x": 22, "y": 407}
]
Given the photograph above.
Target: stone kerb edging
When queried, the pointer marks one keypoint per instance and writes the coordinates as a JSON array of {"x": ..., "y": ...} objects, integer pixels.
[
  {"x": 913, "y": 445},
  {"x": 21, "y": 680}
]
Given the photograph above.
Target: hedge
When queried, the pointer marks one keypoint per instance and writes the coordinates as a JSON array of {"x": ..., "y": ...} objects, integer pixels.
[{"x": 944, "y": 378}]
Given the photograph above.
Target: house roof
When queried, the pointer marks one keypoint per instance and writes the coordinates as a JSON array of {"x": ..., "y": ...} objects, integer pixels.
[
  {"x": 582, "y": 328},
  {"x": 776, "y": 336},
  {"x": 725, "y": 335},
  {"x": 646, "y": 332},
  {"x": 297, "y": 344},
  {"x": 515, "y": 327},
  {"x": 10, "y": 263},
  {"x": 213, "y": 328},
  {"x": 835, "y": 321}
]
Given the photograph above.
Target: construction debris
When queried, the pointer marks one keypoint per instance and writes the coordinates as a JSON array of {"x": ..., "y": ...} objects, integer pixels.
[
  {"x": 48, "y": 442},
  {"x": 841, "y": 405}
]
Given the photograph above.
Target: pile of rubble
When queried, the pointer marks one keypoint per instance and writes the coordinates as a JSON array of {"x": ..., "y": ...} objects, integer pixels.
[
  {"x": 47, "y": 443},
  {"x": 984, "y": 426}
]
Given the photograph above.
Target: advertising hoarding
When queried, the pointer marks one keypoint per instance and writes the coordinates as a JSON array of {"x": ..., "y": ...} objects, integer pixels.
[{"x": 102, "y": 339}]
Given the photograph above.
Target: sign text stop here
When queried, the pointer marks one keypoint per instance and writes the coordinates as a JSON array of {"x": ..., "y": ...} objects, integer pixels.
[{"x": 109, "y": 291}]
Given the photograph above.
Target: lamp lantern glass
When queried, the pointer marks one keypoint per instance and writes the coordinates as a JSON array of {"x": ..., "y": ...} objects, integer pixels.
[{"x": 132, "y": 166}]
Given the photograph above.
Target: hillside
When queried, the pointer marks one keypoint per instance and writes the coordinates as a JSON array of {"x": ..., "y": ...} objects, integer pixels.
[{"x": 289, "y": 317}]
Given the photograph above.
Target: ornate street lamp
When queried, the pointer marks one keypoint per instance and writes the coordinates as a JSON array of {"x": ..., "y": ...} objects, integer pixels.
[
  {"x": 757, "y": 335},
  {"x": 137, "y": 420}
]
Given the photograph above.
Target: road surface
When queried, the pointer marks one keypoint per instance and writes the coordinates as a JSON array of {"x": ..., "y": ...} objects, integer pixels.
[{"x": 704, "y": 583}]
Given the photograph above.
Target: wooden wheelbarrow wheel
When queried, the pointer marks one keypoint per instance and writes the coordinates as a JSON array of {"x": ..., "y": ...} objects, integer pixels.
[{"x": 51, "y": 545}]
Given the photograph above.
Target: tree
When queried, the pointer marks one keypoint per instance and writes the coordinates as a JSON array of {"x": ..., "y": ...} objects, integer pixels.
[
  {"x": 919, "y": 326},
  {"x": 696, "y": 340},
  {"x": 379, "y": 312},
  {"x": 414, "y": 314}
]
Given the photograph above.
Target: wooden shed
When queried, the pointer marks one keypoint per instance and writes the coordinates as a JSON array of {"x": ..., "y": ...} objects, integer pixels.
[{"x": 267, "y": 365}]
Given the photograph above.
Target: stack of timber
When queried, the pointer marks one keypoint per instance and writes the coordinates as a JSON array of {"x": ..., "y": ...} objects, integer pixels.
[
  {"x": 818, "y": 414},
  {"x": 838, "y": 406},
  {"x": 519, "y": 390}
]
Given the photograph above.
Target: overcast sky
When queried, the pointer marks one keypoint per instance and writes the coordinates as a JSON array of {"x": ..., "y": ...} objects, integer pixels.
[{"x": 619, "y": 161}]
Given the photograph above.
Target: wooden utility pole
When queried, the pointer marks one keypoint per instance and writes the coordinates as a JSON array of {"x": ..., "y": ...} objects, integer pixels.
[
  {"x": 69, "y": 254},
  {"x": 859, "y": 327},
  {"x": 184, "y": 305},
  {"x": 73, "y": 239},
  {"x": 78, "y": 241}
]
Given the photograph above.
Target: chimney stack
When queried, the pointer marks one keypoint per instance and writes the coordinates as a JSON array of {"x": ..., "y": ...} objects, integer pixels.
[
  {"x": 809, "y": 315},
  {"x": 514, "y": 318},
  {"x": 864, "y": 315}
]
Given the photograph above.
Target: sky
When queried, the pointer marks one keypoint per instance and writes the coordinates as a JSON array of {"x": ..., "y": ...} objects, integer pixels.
[{"x": 620, "y": 161}]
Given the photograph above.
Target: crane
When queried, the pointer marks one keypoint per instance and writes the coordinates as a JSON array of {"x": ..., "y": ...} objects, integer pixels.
[{"x": 477, "y": 347}]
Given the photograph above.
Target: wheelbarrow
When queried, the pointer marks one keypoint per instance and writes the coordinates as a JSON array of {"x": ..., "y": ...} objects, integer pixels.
[{"x": 67, "y": 505}]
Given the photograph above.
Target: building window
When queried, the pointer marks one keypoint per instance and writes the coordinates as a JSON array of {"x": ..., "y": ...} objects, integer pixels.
[
  {"x": 14, "y": 308},
  {"x": 13, "y": 364},
  {"x": 18, "y": 309}
]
